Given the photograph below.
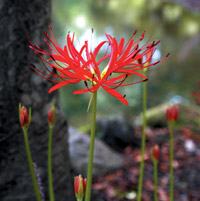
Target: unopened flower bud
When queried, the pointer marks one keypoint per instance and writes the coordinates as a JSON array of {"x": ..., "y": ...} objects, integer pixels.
[
  {"x": 155, "y": 152},
  {"x": 24, "y": 116},
  {"x": 172, "y": 114},
  {"x": 79, "y": 187},
  {"x": 51, "y": 115}
]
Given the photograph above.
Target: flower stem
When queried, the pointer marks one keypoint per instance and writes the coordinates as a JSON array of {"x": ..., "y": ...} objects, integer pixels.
[
  {"x": 50, "y": 176},
  {"x": 91, "y": 150},
  {"x": 171, "y": 163},
  {"x": 155, "y": 173},
  {"x": 30, "y": 162},
  {"x": 141, "y": 174}
]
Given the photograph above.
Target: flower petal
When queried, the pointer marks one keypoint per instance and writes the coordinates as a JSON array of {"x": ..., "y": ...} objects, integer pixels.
[
  {"x": 115, "y": 94},
  {"x": 92, "y": 89},
  {"x": 57, "y": 86}
]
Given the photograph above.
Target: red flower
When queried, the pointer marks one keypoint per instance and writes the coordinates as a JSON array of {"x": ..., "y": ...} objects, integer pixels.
[
  {"x": 172, "y": 114},
  {"x": 196, "y": 94},
  {"x": 72, "y": 65},
  {"x": 79, "y": 187},
  {"x": 155, "y": 152}
]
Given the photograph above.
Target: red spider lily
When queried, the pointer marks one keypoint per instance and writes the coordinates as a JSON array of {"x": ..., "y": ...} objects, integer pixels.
[
  {"x": 79, "y": 187},
  {"x": 172, "y": 114},
  {"x": 72, "y": 65},
  {"x": 196, "y": 94},
  {"x": 155, "y": 152}
]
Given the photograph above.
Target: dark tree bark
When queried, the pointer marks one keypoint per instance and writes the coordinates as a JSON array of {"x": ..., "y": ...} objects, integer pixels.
[{"x": 18, "y": 84}]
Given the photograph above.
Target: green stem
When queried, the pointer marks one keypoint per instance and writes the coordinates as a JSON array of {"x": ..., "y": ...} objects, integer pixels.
[
  {"x": 171, "y": 163},
  {"x": 50, "y": 176},
  {"x": 155, "y": 173},
  {"x": 91, "y": 150},
  {"x": 141, "y": 174},
  {"x": 30, "y": 162}
]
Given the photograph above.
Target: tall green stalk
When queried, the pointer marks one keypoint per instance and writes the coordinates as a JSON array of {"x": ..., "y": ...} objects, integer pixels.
[
  {"x": 91, "y": 150},
  {"x": 141, "y": 173},
  {"x": 50, "y": 176},
  {"x": 30, "y": 162},
  {"x": 171, "y": 163},
  {"x": 155, "y": 173}
]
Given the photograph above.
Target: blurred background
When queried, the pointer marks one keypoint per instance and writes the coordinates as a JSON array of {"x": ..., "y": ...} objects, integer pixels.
[{"x": 175, "y": 23}]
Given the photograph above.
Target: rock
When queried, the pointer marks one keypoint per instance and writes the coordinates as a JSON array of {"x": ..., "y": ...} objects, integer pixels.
[
  {"x": 117, "y": 133},
  {"x": 105, "y": 159}
]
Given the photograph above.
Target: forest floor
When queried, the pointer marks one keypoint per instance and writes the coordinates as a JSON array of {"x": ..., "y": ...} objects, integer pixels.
[{"x": 121, "y": 184}]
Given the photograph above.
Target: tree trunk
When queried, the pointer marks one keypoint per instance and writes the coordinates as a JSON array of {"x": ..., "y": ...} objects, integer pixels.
[{"x": 19, "y": 18}]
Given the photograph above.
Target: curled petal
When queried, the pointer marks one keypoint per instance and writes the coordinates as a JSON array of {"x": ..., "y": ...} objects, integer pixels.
[
  {"x": 57, "y": 86},
  {"x": 92, "y": 89},
  {"x": 115, "y": 94}
]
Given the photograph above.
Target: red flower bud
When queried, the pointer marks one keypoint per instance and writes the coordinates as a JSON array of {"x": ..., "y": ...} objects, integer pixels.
[
  {"x": 24, "y": 118},
  {"x": 51, "y": 116},
  {"x": 76, "y": 185},
  {"x": 172, "y": 113},
  {"x": 155, "y": 151},
  {"x": 79, "y": 187}
]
